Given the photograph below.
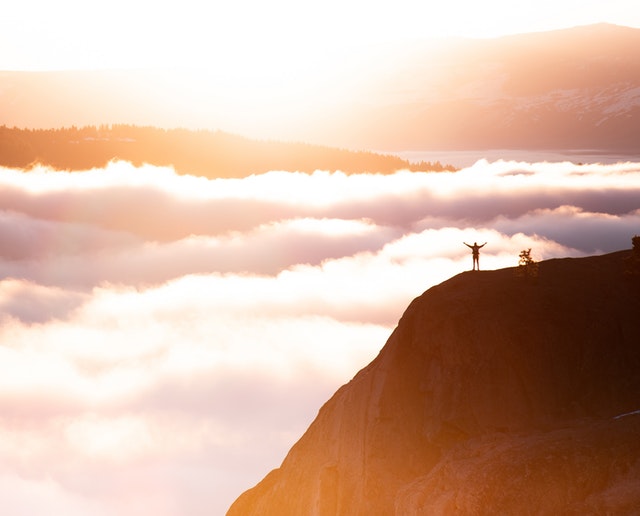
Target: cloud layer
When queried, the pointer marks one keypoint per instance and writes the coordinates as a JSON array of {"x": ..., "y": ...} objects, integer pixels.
[{"x": 165, "y": 339}]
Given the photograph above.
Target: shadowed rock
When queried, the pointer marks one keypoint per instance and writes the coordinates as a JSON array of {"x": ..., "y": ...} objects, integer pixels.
[{"x": 492, "y": 395}]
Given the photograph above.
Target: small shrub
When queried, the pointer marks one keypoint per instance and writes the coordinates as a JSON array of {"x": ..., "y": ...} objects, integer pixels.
[
  {"x": 633, "y": 261},
  {"x": 527, "y": 266}
]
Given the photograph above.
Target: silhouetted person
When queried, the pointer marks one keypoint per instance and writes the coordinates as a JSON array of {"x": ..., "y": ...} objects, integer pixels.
[{"x": 475, "y": 251}]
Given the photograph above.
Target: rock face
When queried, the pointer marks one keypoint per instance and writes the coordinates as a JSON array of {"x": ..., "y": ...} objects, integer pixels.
[{"x": 492, "y": 396}]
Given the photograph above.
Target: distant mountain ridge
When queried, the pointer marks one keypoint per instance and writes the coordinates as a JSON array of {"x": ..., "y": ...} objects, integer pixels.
[
  {"x": 493, "y": 395},
  {"x": 569, "y": 89},
  {"x": 573, "y": 89}
]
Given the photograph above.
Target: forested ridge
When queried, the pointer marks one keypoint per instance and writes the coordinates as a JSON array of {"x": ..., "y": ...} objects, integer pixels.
[{"x": 204, "y": 153}]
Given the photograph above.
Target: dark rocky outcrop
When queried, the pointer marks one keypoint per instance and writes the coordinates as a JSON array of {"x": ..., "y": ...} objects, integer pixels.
[{"x": 492, "y": 396}]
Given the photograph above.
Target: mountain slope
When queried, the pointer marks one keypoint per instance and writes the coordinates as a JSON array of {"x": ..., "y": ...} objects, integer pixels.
[
  {"x": 574, "y": 89},
  {"x": 492, "y": 395}
]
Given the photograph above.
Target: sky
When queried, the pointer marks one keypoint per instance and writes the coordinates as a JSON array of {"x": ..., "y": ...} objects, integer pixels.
[
  {"x": 256, "y": 68},
  {"x": 260, "y": 38},
  {"x": 166, "y": 339}
]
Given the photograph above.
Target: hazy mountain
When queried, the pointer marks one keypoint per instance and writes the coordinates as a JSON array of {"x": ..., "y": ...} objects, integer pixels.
[
  {"x": 571, "y": 89},
  {"x": 493, "y": 395}
]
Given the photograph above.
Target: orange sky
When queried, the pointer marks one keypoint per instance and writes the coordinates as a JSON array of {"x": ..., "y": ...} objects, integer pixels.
[
  {"x": 74, "y": 34},
  {"x": 261, "y": 69}
]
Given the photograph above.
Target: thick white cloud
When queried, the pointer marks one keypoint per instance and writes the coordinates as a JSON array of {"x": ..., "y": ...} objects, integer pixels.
[{"x": 165, "y": 339}]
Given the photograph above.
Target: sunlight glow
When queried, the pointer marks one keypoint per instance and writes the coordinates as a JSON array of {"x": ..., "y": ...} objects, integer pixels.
[
  {"x": 270, "y": 61},
  {"x": 262, "y": 41},
  {"x": 260, "y": 69}
]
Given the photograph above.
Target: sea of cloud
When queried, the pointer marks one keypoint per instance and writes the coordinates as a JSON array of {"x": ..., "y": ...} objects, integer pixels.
[{"x": 165, "y": 339}]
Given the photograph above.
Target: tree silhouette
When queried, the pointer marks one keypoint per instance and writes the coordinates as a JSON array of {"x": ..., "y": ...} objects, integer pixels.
[
  {"x": 527, "y": 266},
  {"x": 633, "y": 261}
]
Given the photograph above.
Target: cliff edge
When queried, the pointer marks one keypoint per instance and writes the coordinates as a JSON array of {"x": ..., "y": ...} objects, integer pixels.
[{"x": 492, "y": 395}]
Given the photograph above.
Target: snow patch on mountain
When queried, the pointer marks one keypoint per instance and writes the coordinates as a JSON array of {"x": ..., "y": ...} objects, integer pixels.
[
  {"x": 625, "y": 98},
  {"x": 609, "y": 102}
]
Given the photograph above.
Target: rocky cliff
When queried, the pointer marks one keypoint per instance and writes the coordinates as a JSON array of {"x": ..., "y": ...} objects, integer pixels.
[{"x": 493, "y": 395}]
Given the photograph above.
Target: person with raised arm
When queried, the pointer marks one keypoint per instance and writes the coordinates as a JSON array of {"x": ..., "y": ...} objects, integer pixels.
[{"x": 475, "y": 251}]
